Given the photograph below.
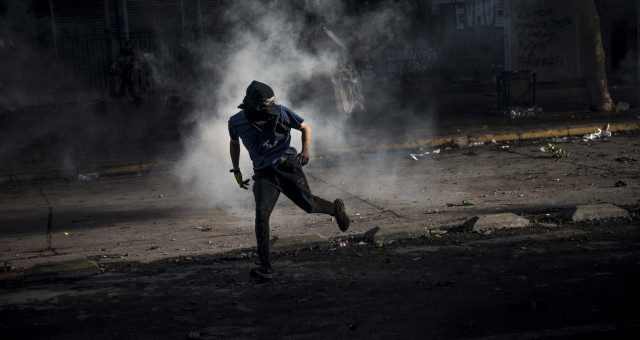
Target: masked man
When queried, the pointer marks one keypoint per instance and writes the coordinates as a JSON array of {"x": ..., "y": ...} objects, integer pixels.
[{"x": 264, "y": 128}]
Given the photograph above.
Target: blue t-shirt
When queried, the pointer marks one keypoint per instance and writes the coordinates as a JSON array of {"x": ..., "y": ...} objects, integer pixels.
[{"x": 262, "y": 151}]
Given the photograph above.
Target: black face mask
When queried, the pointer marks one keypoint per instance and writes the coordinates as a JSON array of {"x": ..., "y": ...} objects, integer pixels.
[
  {"x": 265, "y": 119},
  {"x": 268, "y": 122}
]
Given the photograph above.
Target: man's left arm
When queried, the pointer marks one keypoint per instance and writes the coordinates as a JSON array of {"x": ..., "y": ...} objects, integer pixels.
[{"x": 303, "y": 156}]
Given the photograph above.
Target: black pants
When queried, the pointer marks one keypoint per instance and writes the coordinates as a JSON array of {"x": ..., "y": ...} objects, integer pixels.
[{"x": 288, "y": 179}]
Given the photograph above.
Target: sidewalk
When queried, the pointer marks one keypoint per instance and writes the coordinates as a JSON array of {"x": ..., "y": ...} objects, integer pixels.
[{"x": 112, "y": 137}]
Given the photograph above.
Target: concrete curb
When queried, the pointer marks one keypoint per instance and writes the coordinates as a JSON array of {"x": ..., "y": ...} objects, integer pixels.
[
  {"x": 64, "y": 270},
  {"x": 595, "y": 212},
  {"x": 296, "y": 242},
  {"x": 496, "y": 221},
  {"x": 383, "y": 235}
]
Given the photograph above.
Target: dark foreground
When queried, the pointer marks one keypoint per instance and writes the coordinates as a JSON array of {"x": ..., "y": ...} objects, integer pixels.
[{"x": 549, "y": 281}]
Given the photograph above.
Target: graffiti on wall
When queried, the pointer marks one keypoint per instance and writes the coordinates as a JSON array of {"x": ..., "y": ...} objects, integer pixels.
[
  {"x": 538, "y": 33},
  {"x": 479, "y": 13},
  {"x": 407, "y": 61}
]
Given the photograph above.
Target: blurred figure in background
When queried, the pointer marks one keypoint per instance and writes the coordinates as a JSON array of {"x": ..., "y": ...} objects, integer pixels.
[{"x": 125, "y": 64}]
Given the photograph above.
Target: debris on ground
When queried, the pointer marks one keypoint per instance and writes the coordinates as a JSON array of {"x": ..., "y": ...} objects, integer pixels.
[
  {"x": 465, "y": 202},
  {"x": 7, "y": 267},
  {"x": 555, "y": 151},
  {"x": 600, "y": 133},
  {"x": 423, "y": 153},
  {"x": 517, "y": 111},
  {"x": 622, "y": 106},
  {"x": 626, "y": 159},
  {"x": 621, "y": 183},
  {"x": 561, "y": 140},
  {"x": 88, "y": 177}
]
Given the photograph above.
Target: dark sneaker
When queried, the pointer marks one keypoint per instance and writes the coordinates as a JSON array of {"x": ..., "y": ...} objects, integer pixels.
[
  {"x": 341, "y": 215},
  {"x": 262, "y": 272}
]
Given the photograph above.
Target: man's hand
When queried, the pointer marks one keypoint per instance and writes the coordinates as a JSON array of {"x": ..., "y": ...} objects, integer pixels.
[
  {"x": 303, "y": 157},
  {"x": 238, "y": 175}
]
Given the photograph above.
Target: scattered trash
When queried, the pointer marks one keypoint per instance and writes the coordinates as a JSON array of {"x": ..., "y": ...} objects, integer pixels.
[
  {"x": 462, "y": 204},
  {"x": 598, "y": 134},
  {"x": 515, "y": 112},
  {"x": 621, "y": 183},
  {"x": 66, "y": 234},
  {"x": 88, "y": 177},
  {"x": 203, "y": 228},
  {"x": 459, "y": 143},
  {"x": 7, "y": 267},
  {"x": 555, "y": 151},
  {"x": 622, "y": 106},
  {"x": 560, "y": 140},
  {"x": 417, "y": 156},
  {"x": 626, "y": 159}
]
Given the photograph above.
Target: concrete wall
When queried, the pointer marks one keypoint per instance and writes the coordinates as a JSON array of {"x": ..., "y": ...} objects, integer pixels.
[
  {"x": 545, "y": 38},
  {"x": 469, "y": 38}
]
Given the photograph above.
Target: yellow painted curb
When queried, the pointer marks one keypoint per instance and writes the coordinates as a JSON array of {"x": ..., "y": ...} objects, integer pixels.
[
  {"x": 393, "y": 146},
  {"x": 498, "y": 138},
  {"x": 584, "y": 130},
  {"x": 625, "y": 127},
  {"x": 543, "y": 134}
]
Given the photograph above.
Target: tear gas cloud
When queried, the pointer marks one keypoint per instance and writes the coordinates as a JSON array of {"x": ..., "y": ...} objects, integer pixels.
[{"x": 276, "y": 43}]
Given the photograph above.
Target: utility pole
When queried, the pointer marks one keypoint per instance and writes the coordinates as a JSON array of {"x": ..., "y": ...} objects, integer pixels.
[
  {"x": 53, "y": 31},
  {"x": 108, "y": 45},
  {"x": 125, "y": 17},
  {"x": 182, "y": 17},
  {"x": 507, "y": 35}
]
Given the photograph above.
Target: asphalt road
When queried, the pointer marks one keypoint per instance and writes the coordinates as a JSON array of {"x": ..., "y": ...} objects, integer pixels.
[{"x": 568, "y": 281}]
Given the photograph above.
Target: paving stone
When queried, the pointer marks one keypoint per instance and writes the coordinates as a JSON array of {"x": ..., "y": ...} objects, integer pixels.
[
  {"x": 496, "y": 221},
  {"x": 78, "y": 269},
  {"x": 594, "y": 212}
]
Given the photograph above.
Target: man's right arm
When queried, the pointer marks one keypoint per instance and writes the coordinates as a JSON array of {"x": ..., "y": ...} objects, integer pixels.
[{"x": 234, "y": 150}]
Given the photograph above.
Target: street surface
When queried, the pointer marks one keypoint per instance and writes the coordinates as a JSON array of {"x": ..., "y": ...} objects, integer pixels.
[
  {"x": 575, "y": 281},
  {"x": 158, "y": 216},
  {"x": 176, "y": 258}
]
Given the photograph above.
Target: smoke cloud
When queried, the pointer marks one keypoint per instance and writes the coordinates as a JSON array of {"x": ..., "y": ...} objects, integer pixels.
[{"x": 283, "y": 44}]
